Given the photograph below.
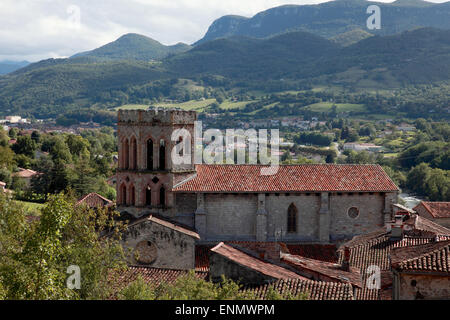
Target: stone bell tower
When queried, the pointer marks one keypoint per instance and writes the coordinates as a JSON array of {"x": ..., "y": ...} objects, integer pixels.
[{"x": 146, "y": 172}]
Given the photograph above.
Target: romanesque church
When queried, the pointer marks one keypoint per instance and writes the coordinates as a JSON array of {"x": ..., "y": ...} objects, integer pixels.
[{"x": 300, "y": 203}]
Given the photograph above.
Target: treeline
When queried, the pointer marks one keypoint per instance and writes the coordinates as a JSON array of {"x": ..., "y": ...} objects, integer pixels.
[
  {"x": 314, "y": 138},
  {"x": 64, "y": 161}
]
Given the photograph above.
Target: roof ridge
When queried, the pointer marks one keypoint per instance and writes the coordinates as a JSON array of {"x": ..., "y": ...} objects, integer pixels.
[{"x": 443, "y": 244}]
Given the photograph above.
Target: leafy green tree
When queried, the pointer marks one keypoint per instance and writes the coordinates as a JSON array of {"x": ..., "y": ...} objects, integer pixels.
[
  {"x": 35, "y": 256},
  {"x": 13, "y": 132},
  {"x": 6, "y": 157},
  {"x": 25, "y": 145}
]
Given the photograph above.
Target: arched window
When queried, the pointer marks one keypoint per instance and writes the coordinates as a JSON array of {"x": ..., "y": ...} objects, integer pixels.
[
  {"x": 125, "y": 154},
  {"x": 132, "y": 196},
  {"x": 123, "y": 193},
  {"x": 148, "y": 196},
  {"x": 162, "y": 155},
  {"x": 162, "y": 196},
  {"x": 133, "y": 160},
  {"x": 149, "y": 154},
  {"x": 292, "y": 219}
]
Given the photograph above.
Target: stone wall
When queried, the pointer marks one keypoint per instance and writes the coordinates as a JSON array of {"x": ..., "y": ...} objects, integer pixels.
[
  {"x": 308, "y": 206},
  {"x": 220, "y": 265},
  {"x": 320, "y": 216},
  {"x": 172, "y": 249},
  {"x": 370, "y": 207},
  {"x": 230, "y": 216},
  {"x": 414, "y": 286}
]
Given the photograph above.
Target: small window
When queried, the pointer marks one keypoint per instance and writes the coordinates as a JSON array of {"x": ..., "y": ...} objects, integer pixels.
[
  {"x": 162, "y": 196},
  {"x": 148, "y": 196},
  {"x": 353, "y": 212},
  {"x": 292, "y": 219}
]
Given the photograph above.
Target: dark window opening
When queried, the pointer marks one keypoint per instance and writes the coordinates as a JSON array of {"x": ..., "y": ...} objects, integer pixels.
[
  {"x": 292, "y": 219},
  {"x": 162, "y": 155},
  {"x": 149, "y": 154},
  {"x": 148, "y": 196},
  {"x": 162, "y": 196}
]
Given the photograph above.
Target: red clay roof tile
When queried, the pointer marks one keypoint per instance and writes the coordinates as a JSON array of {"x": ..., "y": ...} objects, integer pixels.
[
  {"x": 251, "y": 262},
  {"x": 436, "y": 209},
  {"x": 308, "y": 177}
]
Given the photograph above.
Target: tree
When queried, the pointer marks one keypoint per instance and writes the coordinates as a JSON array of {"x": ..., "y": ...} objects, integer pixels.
[
  {"x": 35, "y": 256},
  {"x": 25, "y": 145},
  {"x": 6, "y": 157},
  {"x": 187, "y": 287}
]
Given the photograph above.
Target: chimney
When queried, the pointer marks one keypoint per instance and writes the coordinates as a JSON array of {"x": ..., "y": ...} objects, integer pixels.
[
  {"x": 346, "y": 260},
  {"x": 397, "y": 227}
]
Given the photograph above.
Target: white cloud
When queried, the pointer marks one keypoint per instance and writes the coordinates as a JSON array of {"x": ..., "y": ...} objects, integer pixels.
[{"x": 39, "y": 29}]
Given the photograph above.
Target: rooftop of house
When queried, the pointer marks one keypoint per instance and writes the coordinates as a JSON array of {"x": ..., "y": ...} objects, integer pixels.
[
  {"x": 314, "y": 290},
  {"x": 375, "y": 249},
  {"x": 166, "y": 223},
  {"x": 436, "y": 209},
  {"x": 25, "y": 173},
  {"x": 94, "y": 200},
  {"x": 244, "y": 259},
  {"x": 123, "y": 277},
  {"x": 288, "y": 178},
  {"x": 429, "y": 257},
  {"x": 322, "y": 252},
  {"x": 331, "y": 271}
]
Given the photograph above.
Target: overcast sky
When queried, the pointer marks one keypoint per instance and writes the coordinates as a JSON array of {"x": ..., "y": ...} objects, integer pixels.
[{"x": 39, "y": 29}]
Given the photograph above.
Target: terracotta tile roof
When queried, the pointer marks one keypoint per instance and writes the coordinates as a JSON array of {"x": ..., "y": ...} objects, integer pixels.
[
  {"x": 166, "y": 223},
  {"x": 315, "y": 290},
  {"x": 433, "y": 257},
  {"x": 376, "y": 251},
  {"x": 94, "y": 200},
  {"x": 421, "y": 223},
  {"x": 252, "y": 262},
  {"x": 323, "y": 252},
  {"x": 156, "y": 276},
  {"x": 25, "y": 173},
  {"x": 375, "y": 248},
  {"x": 308, "y": 177},
  {"x": 436, "y": 209},
  {"x": 202, "y": 257},
  {"x": 326, "y": 270}
]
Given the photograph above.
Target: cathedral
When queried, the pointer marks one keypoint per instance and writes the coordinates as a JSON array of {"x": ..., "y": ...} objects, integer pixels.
[{"x": 299, "y": 203}]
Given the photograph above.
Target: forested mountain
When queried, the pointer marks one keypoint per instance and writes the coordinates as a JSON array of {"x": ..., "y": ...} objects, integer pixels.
[
  {"x": 332, "y": 18},
  {"x": 46, "y": 88},
  {"x": 133, "y": 46},
  {"x": 411, "y": 57}
]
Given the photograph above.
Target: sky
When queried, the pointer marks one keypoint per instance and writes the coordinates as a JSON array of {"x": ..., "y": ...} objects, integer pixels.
[{"x": 33, "y": 30}]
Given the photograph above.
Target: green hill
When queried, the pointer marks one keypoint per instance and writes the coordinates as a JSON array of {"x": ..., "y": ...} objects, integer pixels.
[
  {"x": 54, "y": 86},
  {"x": 134, "y": 47}
]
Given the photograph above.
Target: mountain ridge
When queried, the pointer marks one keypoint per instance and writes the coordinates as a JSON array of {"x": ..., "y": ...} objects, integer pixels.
[{"x": 329, "y": 19}]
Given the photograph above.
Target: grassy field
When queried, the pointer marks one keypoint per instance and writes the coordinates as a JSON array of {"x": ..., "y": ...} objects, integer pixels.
[
  {"x": 233, "y": 105},
  {"x": 189, "y": 105},
  {"x": 132, "y": 107}
]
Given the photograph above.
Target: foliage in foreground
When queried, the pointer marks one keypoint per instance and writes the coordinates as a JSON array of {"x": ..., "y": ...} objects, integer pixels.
[
  {"x": 36, "y": 255},
  {"x": 190, "y": 287}
]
